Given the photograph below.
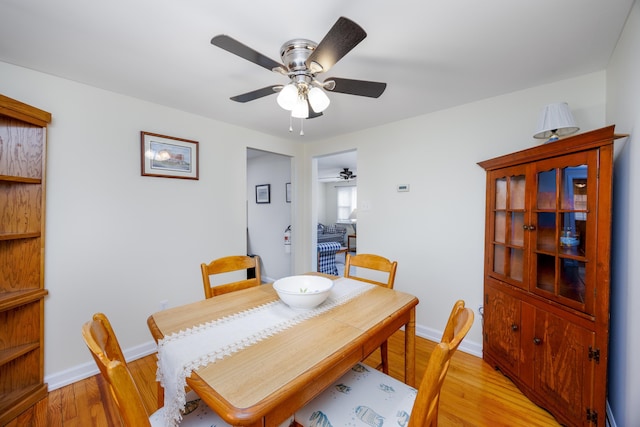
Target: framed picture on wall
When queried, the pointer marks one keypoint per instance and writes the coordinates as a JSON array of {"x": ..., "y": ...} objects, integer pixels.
[
  {"x": 168, "y": 157},
  {"x": 288, "y": 192},
  {"x": 263, "y": 193}
]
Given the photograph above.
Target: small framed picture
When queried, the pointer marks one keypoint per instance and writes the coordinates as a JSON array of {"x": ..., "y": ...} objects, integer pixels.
[
  {"x": 288, "y": 192},
  {"x": 263, "y": 193},
  {"x": 168, "y": 157}
]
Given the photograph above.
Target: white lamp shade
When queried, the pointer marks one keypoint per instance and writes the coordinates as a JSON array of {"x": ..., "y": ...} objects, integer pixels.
[
  {"x": 301, "y": 109},
  {"x": 555, "y": 120},
  {"x": 318, "y": 99},
  {"x": 288, "y": 96}
]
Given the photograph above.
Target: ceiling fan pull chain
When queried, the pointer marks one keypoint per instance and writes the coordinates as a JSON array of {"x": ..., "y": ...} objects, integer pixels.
[
  {"x": 301, "y": 127},
  {"x": 290, "y": 124}
]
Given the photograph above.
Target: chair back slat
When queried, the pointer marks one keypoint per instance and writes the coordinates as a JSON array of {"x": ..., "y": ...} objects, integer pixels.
[
  {"x": 371, "y": 262},
  {"x": 227, "y": 265}
]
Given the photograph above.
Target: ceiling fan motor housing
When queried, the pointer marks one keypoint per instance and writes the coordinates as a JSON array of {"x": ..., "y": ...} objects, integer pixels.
[{"x": 294, "y": 54}]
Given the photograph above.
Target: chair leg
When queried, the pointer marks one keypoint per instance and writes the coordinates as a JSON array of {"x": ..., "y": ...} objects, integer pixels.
[{"x": 385, "y": 358}]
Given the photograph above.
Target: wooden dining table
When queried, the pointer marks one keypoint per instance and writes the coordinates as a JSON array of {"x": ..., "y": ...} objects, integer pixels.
[{"x": 265, "y": 383}]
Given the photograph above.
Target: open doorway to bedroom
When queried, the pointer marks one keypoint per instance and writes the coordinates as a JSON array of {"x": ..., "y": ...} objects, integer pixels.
[{"x": 336, "y": 210}]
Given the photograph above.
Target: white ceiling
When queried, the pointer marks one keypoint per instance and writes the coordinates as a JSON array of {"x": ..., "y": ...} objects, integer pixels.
[
  {"x": 433, "y": 54},
  {"x": 329, "y": 167}
]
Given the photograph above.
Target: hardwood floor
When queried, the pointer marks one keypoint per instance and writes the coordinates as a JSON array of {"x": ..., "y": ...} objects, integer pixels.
[{"x": 474, "y": 394}]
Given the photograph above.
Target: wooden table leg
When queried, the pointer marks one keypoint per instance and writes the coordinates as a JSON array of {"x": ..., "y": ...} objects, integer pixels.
[{"x": 410, "y": 350}]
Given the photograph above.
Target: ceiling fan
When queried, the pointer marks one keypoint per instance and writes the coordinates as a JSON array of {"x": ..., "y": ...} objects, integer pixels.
[
  {"x": 346, "y": 174},
  {"x": 303, "y": 60}
]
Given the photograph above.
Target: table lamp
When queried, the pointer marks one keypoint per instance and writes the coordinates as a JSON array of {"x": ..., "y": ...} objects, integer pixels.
[{"x": 555, "y": 121}]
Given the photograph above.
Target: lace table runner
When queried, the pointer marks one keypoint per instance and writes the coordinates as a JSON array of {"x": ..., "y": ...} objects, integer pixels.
[{"x": 183, "y": 352}]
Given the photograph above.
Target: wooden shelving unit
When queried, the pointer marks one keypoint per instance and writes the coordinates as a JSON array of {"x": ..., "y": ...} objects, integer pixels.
[{"x": 22, "y": 225}]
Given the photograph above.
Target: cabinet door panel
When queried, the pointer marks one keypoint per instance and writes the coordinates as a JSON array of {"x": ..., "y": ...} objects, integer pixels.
[
  {"x": 508, "y": 224},
  {"x": 563, "y": 262},
  {"x": 563, "y": 370},
  {"x": 502, "y": 327}
]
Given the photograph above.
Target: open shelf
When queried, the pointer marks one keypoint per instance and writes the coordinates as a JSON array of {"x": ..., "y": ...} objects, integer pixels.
[
  {"x": 14, "y": 403},
  {"x": 11, "y": 300},
  {"x": 16, "y": 236},
  {"x": 22, "y": 228},
  {"x": 13, "y": 353},
  {"x": 21, "y": 179}
]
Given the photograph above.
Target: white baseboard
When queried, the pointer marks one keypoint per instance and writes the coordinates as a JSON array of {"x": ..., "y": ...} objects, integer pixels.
[
  {"x": 86, "y": 370},
  {"x": 466, "y": 346},
  {"x": 89, "y": 369}
]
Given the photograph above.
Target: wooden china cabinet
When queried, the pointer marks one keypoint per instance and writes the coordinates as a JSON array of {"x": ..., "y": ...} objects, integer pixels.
[
  {"x": 546, "y": 281},
  {"x": 23, "y": 392}
]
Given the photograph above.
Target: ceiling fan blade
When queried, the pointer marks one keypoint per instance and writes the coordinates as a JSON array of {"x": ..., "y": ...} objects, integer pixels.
[
  {"x": 341, "y": 38},
  {"x": 357, "y": 87},
  {"x": 255, "y": 94},
  {"x": 312, "y": 114},
  {"x": 232, "y": 45}
]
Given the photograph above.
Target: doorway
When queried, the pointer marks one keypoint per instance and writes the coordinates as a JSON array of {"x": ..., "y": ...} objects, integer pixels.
[
  {"x": 335, "y": 203},
  {"x": 269, "y": 212}
]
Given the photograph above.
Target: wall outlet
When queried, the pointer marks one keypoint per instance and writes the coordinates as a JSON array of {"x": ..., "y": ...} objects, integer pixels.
[{"x": 164, "y": 304}]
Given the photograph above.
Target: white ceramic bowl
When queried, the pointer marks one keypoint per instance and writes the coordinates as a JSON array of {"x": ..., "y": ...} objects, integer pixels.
[{"x": 303, "y": 292}]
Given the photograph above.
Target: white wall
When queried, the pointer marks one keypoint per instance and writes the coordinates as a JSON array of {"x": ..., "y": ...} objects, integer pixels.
[
  {"x": 323, "y": 200},
  {"x": 435, "y": 231},
  {"x": 118, "y": 242},
  {"x": 623, "y": 108},
  {"x": 267, "y": 222}
]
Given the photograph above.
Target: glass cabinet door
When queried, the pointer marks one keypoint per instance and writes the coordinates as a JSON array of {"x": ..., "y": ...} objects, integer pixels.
[
  {"x": 507, "y": 255},
  {"x": 563, "y": 266}
]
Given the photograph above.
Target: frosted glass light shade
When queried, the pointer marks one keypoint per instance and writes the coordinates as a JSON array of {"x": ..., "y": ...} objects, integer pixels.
[
  {"x": 301, "y": 109},
  {"x": 288, "y": 97},
  {"x": 318, "y": 99},
  {"x": 555, "y": 121}
]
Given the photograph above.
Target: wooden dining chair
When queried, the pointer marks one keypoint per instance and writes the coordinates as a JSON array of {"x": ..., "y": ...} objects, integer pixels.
[
  {"x": 371, "y": 396},
  {"x": 375, "y": 264},
  {"x": 372, "y": 263},
  {"x": 227, "y": 265},
  {"x": 105, "y": 349}
]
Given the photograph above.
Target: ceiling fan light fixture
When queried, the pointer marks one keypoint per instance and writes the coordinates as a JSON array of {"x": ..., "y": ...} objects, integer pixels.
[
  {"x": 301, "y": 108},
  {"x": 318, "y": 99},
  {"x": 288, "y": 97}
]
